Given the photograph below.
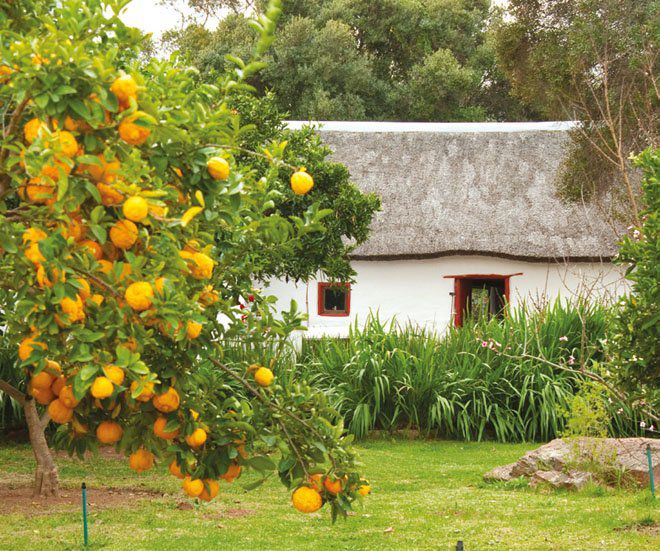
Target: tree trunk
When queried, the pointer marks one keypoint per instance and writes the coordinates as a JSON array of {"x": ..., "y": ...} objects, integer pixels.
[{"x": 46, "y": 480}]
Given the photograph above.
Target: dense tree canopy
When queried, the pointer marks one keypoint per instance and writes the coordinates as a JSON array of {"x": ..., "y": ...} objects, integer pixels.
[
  {"x": 593, "y": 61},
  {"x": 138, "y": 208},
  {"x": 380, "y": 60}
]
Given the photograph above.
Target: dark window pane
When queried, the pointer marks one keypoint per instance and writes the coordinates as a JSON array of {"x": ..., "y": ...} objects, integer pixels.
[{"x": 334, "y": 299}]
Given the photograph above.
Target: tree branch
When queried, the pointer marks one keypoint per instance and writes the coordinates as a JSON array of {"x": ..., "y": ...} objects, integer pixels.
[{"x": 12, "y": 392}]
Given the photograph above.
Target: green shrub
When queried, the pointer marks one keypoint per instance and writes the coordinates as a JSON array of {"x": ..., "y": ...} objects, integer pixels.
[{"x": 476, "y": 382}]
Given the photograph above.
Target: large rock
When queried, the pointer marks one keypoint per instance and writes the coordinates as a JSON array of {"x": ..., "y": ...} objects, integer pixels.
[
  {"x": 575, "y": 480},
  {"x": 597, "y": 455}
]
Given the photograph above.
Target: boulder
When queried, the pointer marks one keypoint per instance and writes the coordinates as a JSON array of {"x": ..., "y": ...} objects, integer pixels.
[
  {"x": 597, "y": 455},
  {"x": 575, "y": 480}
]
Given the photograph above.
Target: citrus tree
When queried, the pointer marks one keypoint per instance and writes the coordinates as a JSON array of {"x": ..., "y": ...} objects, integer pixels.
[{"x": 131, "y": 232}]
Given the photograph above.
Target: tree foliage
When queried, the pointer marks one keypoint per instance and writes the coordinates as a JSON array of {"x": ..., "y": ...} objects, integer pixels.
[
  {"x": 137, "y": 208},
  {"x": 635, "y": 332},
  {"x": 382, "y": 60},
  {"x": 593, "y": 61}
]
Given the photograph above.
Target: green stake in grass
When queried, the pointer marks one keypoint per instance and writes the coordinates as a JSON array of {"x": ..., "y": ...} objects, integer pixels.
[
  {"x": 84, "y": 508},
  {"x": 649, "y": 457}
]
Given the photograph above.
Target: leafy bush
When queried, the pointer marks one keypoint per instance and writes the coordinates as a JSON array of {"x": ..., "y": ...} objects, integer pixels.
[{"x": 476, "y": 382}]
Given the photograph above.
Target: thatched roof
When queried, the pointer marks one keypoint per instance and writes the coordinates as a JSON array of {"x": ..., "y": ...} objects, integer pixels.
[{"x": 467, "y": 188}]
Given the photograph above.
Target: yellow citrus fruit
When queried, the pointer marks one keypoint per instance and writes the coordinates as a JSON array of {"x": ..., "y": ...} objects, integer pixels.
[
  {"x": 102, "y": 387},
  {"x": 202, "y": 266},
  {"x": 132, "y": 133},
  {"x": 124, "y": 88},
  {"x": 159, "y": 285},
  {"x": 32, "y": 128},
  {"x": 263, "y": 377},
  {"x": 218, "y": 168},
  {"x": 27, "y": 345},
  {"x": 114, "y": 373},
  {"x": 175, "y": 469},
  {"x": 97, "y": 299},
  {"x": 139, "y": 295},
  {"x": 67, "y": 143},
  {"x": 110, "y": 197},
  {"x": 364, "y": 490},
  {"x": 109, "y": 432},
  {"x": 301, "y": 182},
  {"x": 159, "y": 429},
  {"x": 233, "y": 471},
  {"x": 44, "y": 281},
  {"x": 84, "y": 291},
  {"x": 124, "y": 234},
  {"x": 68, "y": 398},
  {"x": 33, "y": 253},
  {"x": 192, "y": 487},
  {"x": 34, "y": 235},
  {"x": 141, "y": 460},
  {"x": 193, "y": 329},
  {"x": 306, "y": 499},
  {"x": 73, "y": 309},
  {"x": 168, "y": 401},
  {"x": 197, "y": 438},
  {"x": 211, "y": 489},
  {"x": 59, "y": 413},
  {"x": 135, "y": 208},
  {"x": 147, "y": 391}
]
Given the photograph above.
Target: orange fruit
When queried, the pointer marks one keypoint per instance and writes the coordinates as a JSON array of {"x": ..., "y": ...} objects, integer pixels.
[
  {"x": 84, "y": 291},
  {"x": 5, "y": 73},
  {"x": 211, "y": 489},
  {"x": 40, "y": 192},
  {"x": 43, "y": 280},
  {"x": 197, "y": 438},
  {"x": 176, "y": 470},
  {"x": 114, "y": 373},
  {"x": 159, "y": 429},
  {"x": 33, "y": 254},
  {"x": 192, "y": 487},
  {"x": 301, "y": 182},
  {"x": 67, "y": 397},
  {"x": 135, "y": 208},
  {"x": 306, "y": 499},
  {"x": 44, "y": 396},
  {"x": 139, "y": 295},
  {"x": 159, "y": 285},
  {"x": 42, "y": 380},
  {"x": 168, "y": 401},
  {"x": 58, "y": 385},
  {"x": 110, "y": 197},
  {"x": 124, "y": 88},
  {"x": 73, "y": 309},
  {"x": 193, "y": 329},
  {"x": 27, "y": 345},
  {"x": 334, "y": 486},
  {"x": 316, "y": 480},
  {"x": 93, "y": 248},
  {"x": 218, "y": 168},
  {"x": 141, "y": 460},
  {"x": 263, "y": 377},
  {"x": 202, "y": 266},
  {"x": 102, "y": 387},
  {"x": 34, "y": 235},
  {"x": 59, "y": 413},
  {"x": 32, "y": 128},
  {"x": 132, "y": 133},
  {"x": 147, "y": 391},
  {"x": 124, "y": 234},
  {"x": 109, "y": 432},
  {"x": 233, "y": 472}
]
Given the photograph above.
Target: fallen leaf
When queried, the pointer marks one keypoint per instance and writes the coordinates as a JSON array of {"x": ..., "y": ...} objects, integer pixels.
[{"x": 388, "y": 530}]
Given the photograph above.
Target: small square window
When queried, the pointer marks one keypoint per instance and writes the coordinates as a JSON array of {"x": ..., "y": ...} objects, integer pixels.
[{"x": 334, "y": 299}]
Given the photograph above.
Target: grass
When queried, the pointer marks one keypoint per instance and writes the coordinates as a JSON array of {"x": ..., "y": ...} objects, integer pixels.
[{"x": 427, "y": 495}]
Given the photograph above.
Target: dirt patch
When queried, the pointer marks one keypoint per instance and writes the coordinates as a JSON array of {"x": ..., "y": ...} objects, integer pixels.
[
  {"x": 106, "y": 452},
  {"x": 650, "y": 528},
  {"x": 18, "y": 499}
]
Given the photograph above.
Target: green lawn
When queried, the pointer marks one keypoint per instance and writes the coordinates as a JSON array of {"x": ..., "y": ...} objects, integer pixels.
[{"x": 427, "y": 495}]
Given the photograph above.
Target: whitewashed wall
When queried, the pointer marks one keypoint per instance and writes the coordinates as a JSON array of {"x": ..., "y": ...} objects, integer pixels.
[{"x": 416, "y": 290}]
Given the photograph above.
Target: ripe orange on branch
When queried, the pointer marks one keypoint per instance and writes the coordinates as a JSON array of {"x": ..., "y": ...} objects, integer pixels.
[
  {"x": 133, "y": 133},
  {"x": 141, "y": 460},
  {"x": 167, "y": 402},
  {"x": 301, "y": 182},
  {"x": 109, "y": 432},
  {"x": 218, "y": 168},
  {"x": 124, "y": 234},
  {"x": 159, "y": 429},
  {"x": 197, "y": 438},
  {"x": 139, "y": 295},
  {"x": 306, "y": 499}
]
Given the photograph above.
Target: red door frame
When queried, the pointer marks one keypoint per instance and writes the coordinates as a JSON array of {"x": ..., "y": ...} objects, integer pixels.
[
  {"x": 462, "y": 289},
  {"x": 322, "y": 286}
]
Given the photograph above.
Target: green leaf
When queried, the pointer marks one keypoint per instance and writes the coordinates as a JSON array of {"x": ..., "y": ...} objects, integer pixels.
[
  {"x": 262, "y": 463},
  {"x": 87, "y": 372}
]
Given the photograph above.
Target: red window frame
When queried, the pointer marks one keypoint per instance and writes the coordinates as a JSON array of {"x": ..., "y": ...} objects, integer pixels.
[
  {"x": 461, "y": 291},
  {"x": 322, "y": 286}
]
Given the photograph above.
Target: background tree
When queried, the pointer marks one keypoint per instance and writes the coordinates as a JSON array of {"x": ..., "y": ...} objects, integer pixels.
[
  {"x": 593, "y": 61},
  {"x": 343, "y": 60},
  {"x": 132, "y": 231}
]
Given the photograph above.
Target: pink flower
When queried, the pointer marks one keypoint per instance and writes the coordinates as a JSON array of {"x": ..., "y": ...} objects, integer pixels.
[
  {"x": 571, "y": 360},
  {"x": 642, "y": 424},
  {"x": 484, "y": 344},
  {"x": 563, "y": 339}
]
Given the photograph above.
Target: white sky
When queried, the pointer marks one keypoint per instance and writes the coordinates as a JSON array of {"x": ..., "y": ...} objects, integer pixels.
[{"x": 152, "y": 17}]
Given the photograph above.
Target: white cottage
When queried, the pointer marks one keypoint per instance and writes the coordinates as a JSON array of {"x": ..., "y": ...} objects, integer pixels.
[{"x": 470, "y": 220}]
